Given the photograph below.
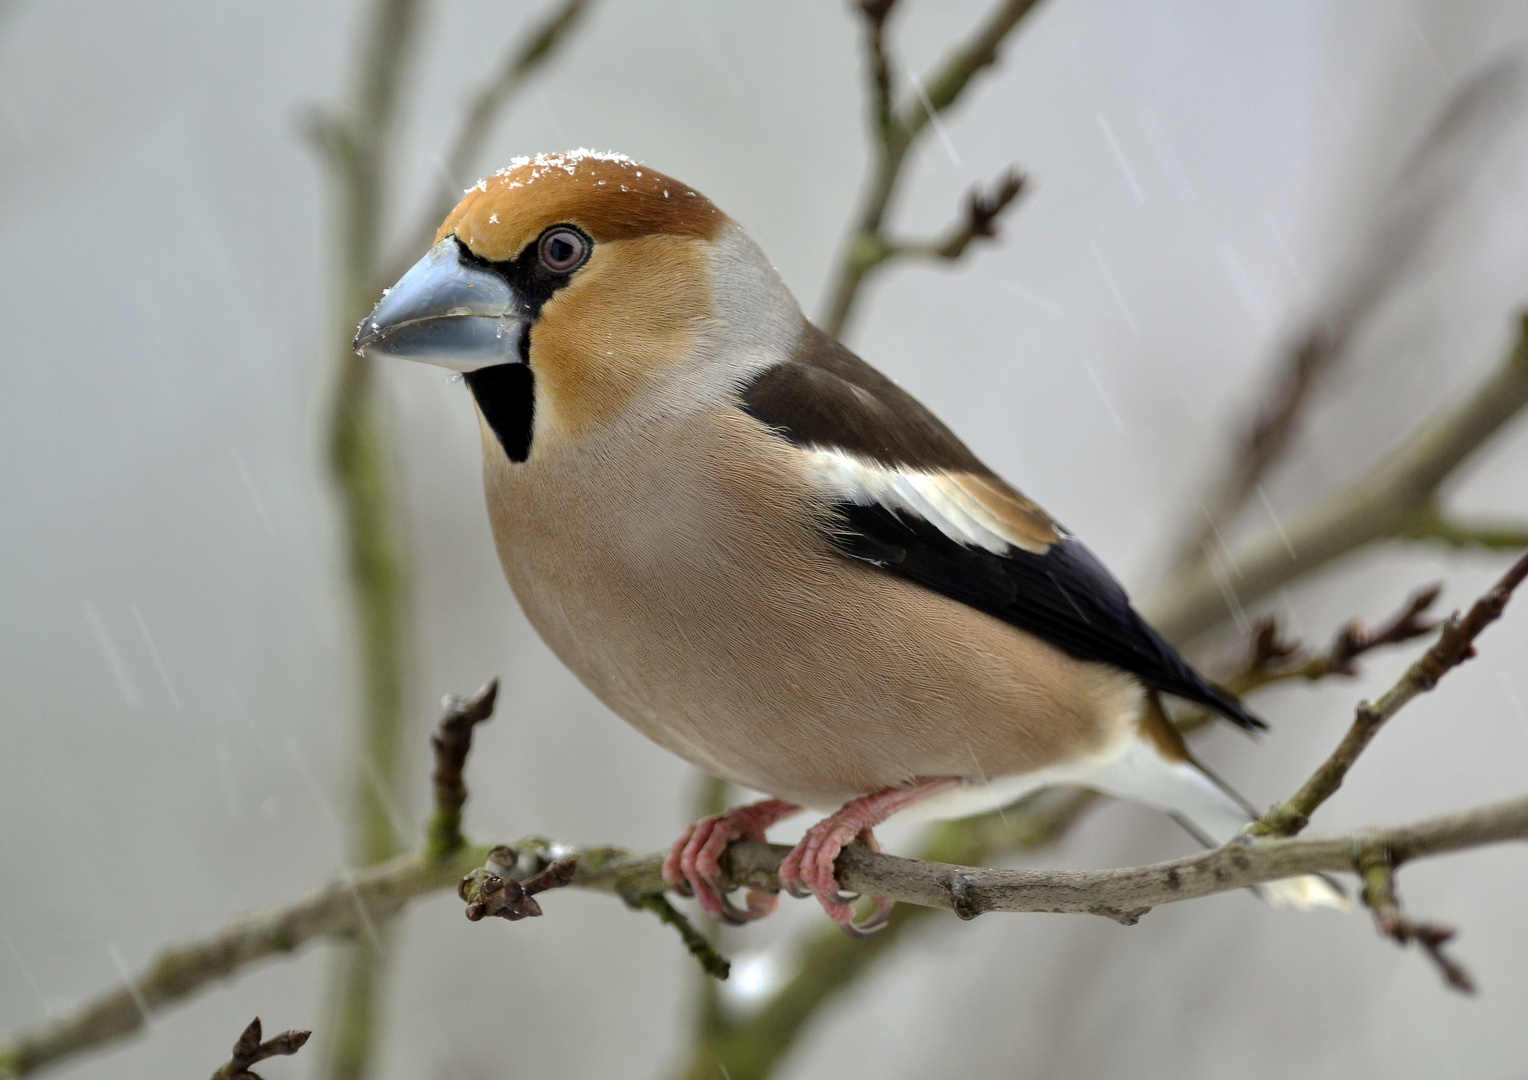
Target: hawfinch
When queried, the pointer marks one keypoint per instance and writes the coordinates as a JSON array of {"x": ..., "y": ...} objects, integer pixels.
[{"x": 763, "y": 553}]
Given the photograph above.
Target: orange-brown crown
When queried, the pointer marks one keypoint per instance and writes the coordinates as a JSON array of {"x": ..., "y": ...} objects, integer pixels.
[{"x": 608, "y": 196}]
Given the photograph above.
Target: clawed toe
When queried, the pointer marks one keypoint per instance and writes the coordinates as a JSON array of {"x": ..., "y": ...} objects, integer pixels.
[
  {"x": 693, "y": 865},
  {"x": 875, "y": 921}
]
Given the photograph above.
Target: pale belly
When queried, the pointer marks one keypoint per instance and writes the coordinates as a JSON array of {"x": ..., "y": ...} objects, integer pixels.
[{"x": 702, "y": 607}]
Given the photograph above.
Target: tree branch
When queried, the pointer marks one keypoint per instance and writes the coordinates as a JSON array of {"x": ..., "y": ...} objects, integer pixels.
[
  {"x": 1126, "y": 894},
  {"x": 1434, "y": 525},
  {"x": 896, "y": 130},
  {"x": 453, "y": 742},
  {"x": 1274, "y": 660},
  {"x": 1376, "y": 866},
  {"x": 983, "y": 208},
  {"x": 356, "y": 144},
  {"x": 1422, "y": 190},
  {"x": 1385, "y": 504},
  {"x": 249, "y": 1050},
  {"x": 342, "y": 909},
  {"x": 1455, "y": 645}
]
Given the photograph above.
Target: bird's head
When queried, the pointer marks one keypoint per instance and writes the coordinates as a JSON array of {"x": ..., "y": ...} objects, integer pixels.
[{"x": 580, "y": 290}]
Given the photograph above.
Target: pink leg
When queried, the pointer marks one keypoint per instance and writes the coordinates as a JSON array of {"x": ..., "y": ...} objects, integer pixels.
[
  {"x": 693, "y": 866},
  {"x": 810, "y": 866}
]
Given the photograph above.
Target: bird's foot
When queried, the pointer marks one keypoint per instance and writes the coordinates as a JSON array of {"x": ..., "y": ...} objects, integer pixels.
[
  {"x": 809, "y": 870},
  {"x": 693, "y": 867}
]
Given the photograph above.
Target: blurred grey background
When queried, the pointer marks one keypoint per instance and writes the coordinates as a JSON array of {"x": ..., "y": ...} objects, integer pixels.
[{"x": 177, "y": 697}]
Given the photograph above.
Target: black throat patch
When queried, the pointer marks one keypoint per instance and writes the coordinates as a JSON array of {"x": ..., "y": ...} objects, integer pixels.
[{"x": 507, "y": 395}]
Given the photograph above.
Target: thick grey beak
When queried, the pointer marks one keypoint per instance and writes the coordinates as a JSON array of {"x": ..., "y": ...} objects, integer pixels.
[{"x": 447, "y": 312}]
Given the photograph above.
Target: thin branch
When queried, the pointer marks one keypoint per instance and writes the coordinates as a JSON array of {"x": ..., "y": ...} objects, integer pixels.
[
  {"x": 521, "y": 60},
  {"x": 1455, "y": 645},
  {"x": 979, "y": 222},
  {"x": 711, "y": 962},
  {"x": 342, "y": 909},
  {"x": 1427, "y": 184},
  {"x": 1432, "y": 524},
  {"x": 356, "y": 143},
  {"x": 896, "y": 130},
  {"x": 1274, "y": 660},
  {"x": 1376, "y": 866},
  {"x": 452, "y": 742},
  {"x": 1384, "y": 504},
  {"x": 249, "y": 1051}
]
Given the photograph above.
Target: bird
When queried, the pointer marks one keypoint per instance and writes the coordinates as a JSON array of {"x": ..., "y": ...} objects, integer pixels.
[{"x": 767, "y": 556}]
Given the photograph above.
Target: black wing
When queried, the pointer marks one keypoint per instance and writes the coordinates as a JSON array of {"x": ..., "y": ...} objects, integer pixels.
[
  {"x": 1064, "y": 596},
  {"x": 827, "y": 399}
]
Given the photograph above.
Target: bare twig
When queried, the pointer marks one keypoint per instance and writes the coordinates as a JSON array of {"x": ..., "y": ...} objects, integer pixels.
[
  {"x": 523, "y": 59},
  {"x": 492, "y": 890},
  {"x": 1435, "y": 526},
  {"x": 896, "y": 130},
  {"x": 249, "y": 1051},
  {"x": 1384, "y": 504},
  {"x": 1376, "y": 866},
  {"x": 1455, "y": 645},
  {"x": 1425, "y": 186},
  {"x": 453, "y": 742},
  {"x": 1274, "y": 660},
  {"x": 711, "y": 962},
  {"x": 342, "y": 909},
  {"x": 982, "y": 211}
]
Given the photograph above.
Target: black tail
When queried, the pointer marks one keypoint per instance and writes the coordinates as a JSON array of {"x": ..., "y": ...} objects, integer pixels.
[
  {"x": 1173, "y": 675},
  {"x": 1222, "y": 702}
]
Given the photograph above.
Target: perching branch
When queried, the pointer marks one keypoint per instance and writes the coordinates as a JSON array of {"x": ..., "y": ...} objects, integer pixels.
[
  {"x": 749, "y": 1047},
  {"x": 1126, "y": 894},
  {"x": 249, "y": 1051},
  {"x": 1455, "y": 645},
  {"x": 352, "y": 906},
  {"x": 896, "y": 129}
]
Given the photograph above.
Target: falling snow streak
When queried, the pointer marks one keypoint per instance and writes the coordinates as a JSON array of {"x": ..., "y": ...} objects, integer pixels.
[{"x": 109, "y": 650}]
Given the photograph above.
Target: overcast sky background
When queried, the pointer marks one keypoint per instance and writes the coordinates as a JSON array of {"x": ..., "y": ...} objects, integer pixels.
[{"x": 176, "y": 694}]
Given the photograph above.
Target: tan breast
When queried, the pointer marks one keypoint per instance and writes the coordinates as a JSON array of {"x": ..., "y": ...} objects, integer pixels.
[{"x": 694, "y": 597}]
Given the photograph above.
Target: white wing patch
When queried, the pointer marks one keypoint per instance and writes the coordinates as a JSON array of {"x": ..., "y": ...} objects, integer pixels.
[{"x": 939, "y": 498}]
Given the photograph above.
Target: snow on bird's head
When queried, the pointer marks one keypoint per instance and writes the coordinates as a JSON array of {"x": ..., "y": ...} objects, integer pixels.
[{"x": 608, "y": 195}]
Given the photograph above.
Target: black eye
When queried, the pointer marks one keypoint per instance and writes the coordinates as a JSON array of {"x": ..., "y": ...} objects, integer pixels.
[{"x": 562, "y": 249}]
